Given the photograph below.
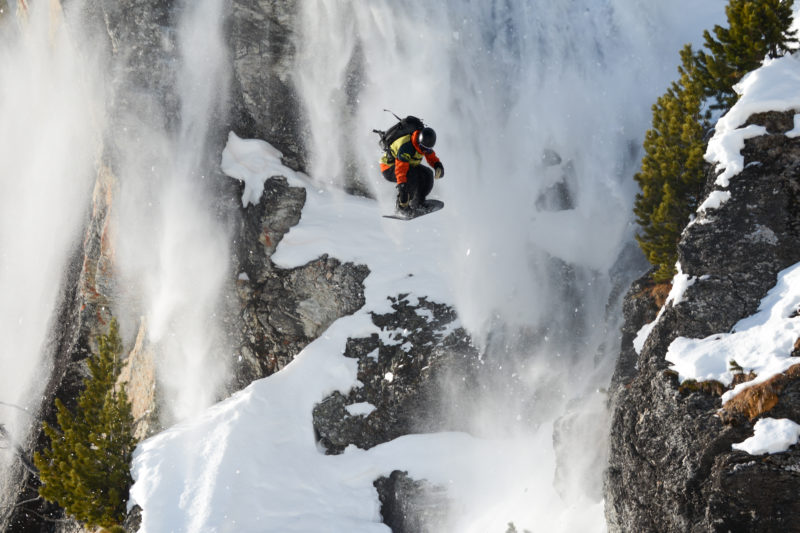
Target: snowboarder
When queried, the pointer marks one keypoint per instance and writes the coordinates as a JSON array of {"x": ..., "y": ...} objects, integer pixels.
[{"x": 402, "y": 164}]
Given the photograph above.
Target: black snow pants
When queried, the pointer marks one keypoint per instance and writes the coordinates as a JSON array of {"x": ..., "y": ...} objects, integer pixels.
[{"x": 419, "y": 181}]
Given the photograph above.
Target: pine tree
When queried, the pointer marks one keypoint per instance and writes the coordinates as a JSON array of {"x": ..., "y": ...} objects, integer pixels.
[
  {"x": 672, "y": 174},
  {"x": 86, "y": 470},
  {"x": 673, "y": 170},
  {"x": 756, "y": 29}
]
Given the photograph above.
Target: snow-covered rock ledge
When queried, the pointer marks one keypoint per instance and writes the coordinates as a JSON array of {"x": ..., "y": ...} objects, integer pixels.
[{"x": 679, "y": 459}]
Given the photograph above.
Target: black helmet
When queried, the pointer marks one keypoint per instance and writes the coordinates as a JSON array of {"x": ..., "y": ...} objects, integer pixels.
[{"x": 426, "y": 139}]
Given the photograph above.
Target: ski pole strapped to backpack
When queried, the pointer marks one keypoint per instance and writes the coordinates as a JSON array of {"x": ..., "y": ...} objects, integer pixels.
[{"x": 404, "y": 126}]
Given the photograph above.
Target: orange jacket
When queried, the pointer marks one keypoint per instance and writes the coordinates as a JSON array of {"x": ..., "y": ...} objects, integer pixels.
[{"x": 406, "y": 153}]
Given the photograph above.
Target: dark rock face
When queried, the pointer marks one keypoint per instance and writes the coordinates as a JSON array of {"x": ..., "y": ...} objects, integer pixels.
[
  {"x": 638, "y": 308},
  {"x": 262, "y": 43},
  {"x": 408, "y": 505},
  {"x": 403, "y": 372},
  {"x": 671, "y": 466},
  {"x": 141, "y": 37}
]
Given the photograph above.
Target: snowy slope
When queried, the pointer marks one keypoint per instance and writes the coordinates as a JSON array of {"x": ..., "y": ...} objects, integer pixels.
[{"x": 251, "y": 464}]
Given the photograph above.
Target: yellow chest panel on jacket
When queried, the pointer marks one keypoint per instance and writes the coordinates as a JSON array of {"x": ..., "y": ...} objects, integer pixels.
[{"x": 403, "y": 149}]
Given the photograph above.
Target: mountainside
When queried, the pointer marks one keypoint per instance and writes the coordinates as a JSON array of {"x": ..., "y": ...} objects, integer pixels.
[
  {"x": 295, "y": 361},
  {"x": 679, "y": 458},
  {"x": 270, "y": 313}
]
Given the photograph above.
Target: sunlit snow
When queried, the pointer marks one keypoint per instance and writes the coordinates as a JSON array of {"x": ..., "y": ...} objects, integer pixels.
[
  {"x": 773, "y": 87},
  {"x": 760, "y": 343},
  {"x": 771, "y": 436}
]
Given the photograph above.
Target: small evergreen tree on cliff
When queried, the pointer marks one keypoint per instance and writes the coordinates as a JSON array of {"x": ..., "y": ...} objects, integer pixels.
[
  {"x": 673, "y": 169},
  {"x": 86, "y": 470},
  {"x": 672, "y": 174},
  {"x": 756, "y": 29}
]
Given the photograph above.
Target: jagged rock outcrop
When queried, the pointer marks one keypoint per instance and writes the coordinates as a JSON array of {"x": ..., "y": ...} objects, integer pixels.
[
  {"x": 403, "y": 371},
  {"x": 671, "y": 466},
  {"x": 415, "y": 377},
  {"x": 409, "y": 505},
  {"x": 280, "y": 311}
]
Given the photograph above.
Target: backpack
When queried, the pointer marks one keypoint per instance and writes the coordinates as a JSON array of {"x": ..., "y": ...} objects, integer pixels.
[{"x": 405, "y": 126}]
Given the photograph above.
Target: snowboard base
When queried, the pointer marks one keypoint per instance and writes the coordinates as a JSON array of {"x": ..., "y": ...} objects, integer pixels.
[{"x": 428, "y": 207}]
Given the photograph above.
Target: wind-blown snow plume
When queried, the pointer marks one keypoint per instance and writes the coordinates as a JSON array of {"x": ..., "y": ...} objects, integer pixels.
[
  {"x": 540, "y": 108},
  {"x": 171, "y": 247},
  {"x": 55, "y": 89},
  {"x": 51, "y": 119}
]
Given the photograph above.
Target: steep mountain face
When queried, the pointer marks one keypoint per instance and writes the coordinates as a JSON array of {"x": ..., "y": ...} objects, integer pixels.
[
  {"x": 277, "y": 312},
  {"x": 671, "y": 465},
  {"x": 269, "y": 313},
  {"x": 262, "y": 42},
  {"x": 83, "y": 313}
]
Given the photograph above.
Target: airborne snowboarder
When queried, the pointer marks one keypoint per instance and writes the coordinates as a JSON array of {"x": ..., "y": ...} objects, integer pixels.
[{"x": 405, "y": 144}]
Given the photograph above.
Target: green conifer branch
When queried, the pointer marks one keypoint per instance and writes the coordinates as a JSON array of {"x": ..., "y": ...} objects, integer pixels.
[
  {"x": 673, "y": 170},
  {"x": 86, "y": 469}
]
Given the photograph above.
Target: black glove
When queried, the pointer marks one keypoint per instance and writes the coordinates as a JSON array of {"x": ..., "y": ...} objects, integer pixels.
[
  {"x": 402, "y": 195},
  {"x": 438, "y": 170}
]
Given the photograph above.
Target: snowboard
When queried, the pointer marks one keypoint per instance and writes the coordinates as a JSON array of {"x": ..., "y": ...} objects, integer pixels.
[{"x": 428, "y": 207}]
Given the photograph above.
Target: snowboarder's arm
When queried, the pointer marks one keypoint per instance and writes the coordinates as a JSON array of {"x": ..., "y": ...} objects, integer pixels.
[{"x": 431, "y": 158}]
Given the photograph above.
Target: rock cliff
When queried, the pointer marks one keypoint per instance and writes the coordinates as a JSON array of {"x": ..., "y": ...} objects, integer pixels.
[
  {"x": 671, "y": 465},
  {"x": 262, "y": 38}
]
